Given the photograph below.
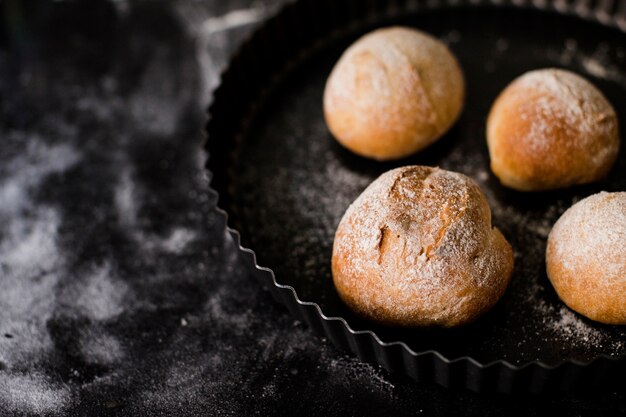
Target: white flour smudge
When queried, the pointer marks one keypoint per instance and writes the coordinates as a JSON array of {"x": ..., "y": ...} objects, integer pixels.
[
  {"x": 178, "y": 240},
  {"x": 97, "y": 294},
  {"x": 100, "y": 348},
  {"x": 32, "y": 393},
  {"x": 599, "y": 63},
  {"x": 31, "y": 265},
  {"x": 128, "y": 196}
]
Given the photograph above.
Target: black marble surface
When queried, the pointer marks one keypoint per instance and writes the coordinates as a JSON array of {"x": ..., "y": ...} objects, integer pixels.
[{"x": 120, "y": 294}]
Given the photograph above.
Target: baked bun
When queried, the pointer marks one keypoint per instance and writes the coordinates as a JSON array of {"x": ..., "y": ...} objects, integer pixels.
[
  {"x": 586, "y": 257},
  {"x": 551, "y": 129},
  {"x": 392, "y": 93},
  {"x": 417, "y": 248}
]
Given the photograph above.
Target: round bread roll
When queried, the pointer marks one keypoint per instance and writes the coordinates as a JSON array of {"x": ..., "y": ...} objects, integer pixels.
[
  {"x": 551, "y": 129},
  {"x": 586, "y": 257},
  {"x": 393, "y": 92},
  {"x": 417, "y": 248}
]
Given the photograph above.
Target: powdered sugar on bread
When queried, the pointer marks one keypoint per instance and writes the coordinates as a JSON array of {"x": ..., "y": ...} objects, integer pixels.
[
  {"x": 551, "y": 129},
  {"x": 417, "y": 248},
  {"x": 392, "y": 93},
  {"x": 586, "y": 257}
]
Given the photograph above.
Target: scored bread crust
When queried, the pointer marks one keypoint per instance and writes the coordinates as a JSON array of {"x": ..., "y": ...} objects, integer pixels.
[
  {"x": 417, "y": 248},
  {"x": 551, "y": 129},
  {"x": 586, "y": 257},
  {"x": 392, "y": 93}
]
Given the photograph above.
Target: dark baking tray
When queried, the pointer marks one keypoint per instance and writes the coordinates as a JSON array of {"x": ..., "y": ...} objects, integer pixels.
[{"x": 285, "y": 183}]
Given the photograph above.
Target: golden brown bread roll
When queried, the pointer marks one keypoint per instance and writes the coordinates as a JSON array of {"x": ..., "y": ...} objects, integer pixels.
[
  {"x": 392, "y": 93},
  {"x": 417, "y": 248},
  {"x": 586, "y": 257},
  {"x": 551, "y": 129}
]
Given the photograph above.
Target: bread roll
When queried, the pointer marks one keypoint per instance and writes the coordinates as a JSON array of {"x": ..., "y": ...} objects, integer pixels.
[
  {"x": 551, "y": 129},
  {"x": 586, "y": 257},
  {"x": 393, "y": 92},
  {"x": 417, "y": 248}
]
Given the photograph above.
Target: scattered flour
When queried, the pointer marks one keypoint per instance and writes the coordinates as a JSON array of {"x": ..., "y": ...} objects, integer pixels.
[
  {"x": 30, "y": 258},
  {"x": 98, "y": 347},
  {"x": 127, "y": 194},
  {"x": 594, "y": 67},
  {"x": 354, "y": 368},
  {"x": 178, "y": 240},
  {"x": 125, "y": 198},
  {"x": 97, "y": 293},
  {"x": 30, "y": 268},
  {"x": 571, "y": 328},
  {"x": 29, "y": 245},
  {"x": 600, "y": 63},
  {"x": 32, "y": 393},
  {"x": 211, "y": 31},
  {"x": 28, "y": 169}
]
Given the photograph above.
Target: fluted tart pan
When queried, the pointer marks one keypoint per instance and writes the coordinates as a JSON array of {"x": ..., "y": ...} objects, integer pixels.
[{"x": 285, "y": 183}]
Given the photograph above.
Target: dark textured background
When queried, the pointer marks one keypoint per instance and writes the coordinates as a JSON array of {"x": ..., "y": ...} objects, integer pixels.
[{"x": 119, "y": 292}]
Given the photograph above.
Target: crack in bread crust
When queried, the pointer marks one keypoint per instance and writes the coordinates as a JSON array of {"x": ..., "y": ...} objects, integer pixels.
[{"x": 417, "y": 248}]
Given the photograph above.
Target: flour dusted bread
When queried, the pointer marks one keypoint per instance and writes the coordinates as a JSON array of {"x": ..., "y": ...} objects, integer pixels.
[
  {"x": 417, "y": 248},
  {"x": 551, "y": 129},
  {"x": 586, "y": 257},
  {"x": 392, "y": 93}
]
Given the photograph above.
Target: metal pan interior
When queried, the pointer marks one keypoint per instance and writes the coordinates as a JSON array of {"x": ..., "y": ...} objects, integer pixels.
[{"x": 288, "y": 182}]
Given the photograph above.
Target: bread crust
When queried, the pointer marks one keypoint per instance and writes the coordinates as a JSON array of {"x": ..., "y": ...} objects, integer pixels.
[
  {"x": 551, "y": 129},
  {"x": 586, "y": 257},
  {"x": 392, "y": 93},
  {"x": 417, "y": 248}
]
